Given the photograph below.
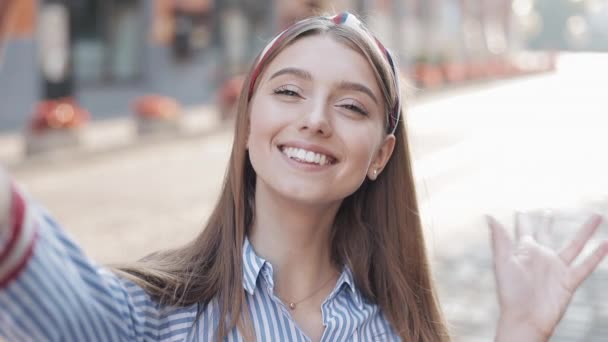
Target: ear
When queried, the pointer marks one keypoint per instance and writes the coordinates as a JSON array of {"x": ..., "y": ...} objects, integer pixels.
[{"x": 381, "y": 158}]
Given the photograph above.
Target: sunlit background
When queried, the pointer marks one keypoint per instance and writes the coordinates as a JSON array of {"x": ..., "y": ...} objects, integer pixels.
[{"x": 117, "y": 116}]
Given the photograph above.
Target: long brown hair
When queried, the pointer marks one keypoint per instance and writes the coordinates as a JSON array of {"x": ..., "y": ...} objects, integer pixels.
[{"x": 377, "y": 230}]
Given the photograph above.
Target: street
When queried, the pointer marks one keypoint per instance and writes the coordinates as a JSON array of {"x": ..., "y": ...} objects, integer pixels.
[{"x": 528, "y": 144}]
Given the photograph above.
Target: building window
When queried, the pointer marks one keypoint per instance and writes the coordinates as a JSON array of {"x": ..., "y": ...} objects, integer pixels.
[{"x": 107, "y": 40}]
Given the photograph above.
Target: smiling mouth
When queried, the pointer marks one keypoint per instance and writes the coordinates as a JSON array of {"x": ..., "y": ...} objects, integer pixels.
[{"x": 305, "y": 156}]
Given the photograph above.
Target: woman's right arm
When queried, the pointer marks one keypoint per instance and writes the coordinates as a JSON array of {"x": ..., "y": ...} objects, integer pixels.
[{"x": 50, "y": 291}]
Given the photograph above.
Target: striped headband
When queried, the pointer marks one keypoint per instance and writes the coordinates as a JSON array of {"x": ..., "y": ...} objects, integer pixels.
[{"x": 349, "y": 20}]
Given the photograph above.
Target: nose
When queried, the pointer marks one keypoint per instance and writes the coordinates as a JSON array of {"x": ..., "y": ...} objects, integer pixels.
[{"x": 317, "y": 120}]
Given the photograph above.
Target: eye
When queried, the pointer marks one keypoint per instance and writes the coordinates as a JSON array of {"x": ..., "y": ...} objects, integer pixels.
[
  {"x": 287, "y": 91},
  {"x": 354, "y": 107}
]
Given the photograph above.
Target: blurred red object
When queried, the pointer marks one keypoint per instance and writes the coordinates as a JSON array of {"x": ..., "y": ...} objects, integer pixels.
[
  {"x": 454, "y": 72},
  {"x": 478, "y": 69},
  {"x": 228, "y": 95},
  {"x": 6, "y": 11},
  {"x": 498, "y": 67},
  {"x": 56, "y": 114},
  {"x": 157, "y": 107},
  {"x": 428, "y": 75}
]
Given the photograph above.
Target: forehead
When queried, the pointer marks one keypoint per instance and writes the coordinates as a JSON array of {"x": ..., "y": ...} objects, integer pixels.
[{"x": 326, "y": 59}]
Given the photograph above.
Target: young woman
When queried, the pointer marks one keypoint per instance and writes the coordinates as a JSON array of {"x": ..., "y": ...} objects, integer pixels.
[{"x": 316, "y": 234}]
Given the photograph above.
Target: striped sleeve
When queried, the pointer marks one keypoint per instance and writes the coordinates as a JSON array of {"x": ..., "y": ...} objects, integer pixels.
[{"x": 50, "y": 291}]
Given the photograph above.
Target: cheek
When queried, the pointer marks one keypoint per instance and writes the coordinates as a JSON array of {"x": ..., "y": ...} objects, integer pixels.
[
  {"x": 260, "y": 122},
  {"x": 265, "y": 122},
  {"x": 364, "y": 155},
  {"x": 256, "y": 144},
  {"x": 362, "y": 143}
]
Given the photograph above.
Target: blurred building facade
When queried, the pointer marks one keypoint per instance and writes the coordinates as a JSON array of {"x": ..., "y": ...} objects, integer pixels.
[
  {"x": 575, "y": 25},
  {"x": 116, "y": 50}
]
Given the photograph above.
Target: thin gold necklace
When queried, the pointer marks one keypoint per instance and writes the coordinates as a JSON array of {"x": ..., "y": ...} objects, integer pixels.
[{"x": 293, "y": 304}]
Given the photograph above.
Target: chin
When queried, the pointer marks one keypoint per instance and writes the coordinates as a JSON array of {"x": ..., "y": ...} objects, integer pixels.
[{"x": 305, "y": 194}]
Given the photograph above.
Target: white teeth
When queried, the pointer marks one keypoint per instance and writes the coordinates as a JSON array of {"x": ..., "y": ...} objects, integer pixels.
[
  {"x": 310, "y": 157},
  {"x": 306, "y": 156}
]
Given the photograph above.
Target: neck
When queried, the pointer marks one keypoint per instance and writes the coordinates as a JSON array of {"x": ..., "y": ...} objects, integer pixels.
[{"x": 295, "y": 238}]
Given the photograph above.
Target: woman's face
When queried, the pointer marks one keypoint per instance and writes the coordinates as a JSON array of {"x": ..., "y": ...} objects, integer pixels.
[{"x": 317, "y": 123}]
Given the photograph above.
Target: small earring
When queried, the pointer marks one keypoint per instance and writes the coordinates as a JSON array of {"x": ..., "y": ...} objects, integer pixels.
[{"x": 375, "y": 172}]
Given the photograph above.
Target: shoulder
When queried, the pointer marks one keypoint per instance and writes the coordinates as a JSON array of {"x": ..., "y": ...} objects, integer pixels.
[{"x": 170, "y": 321}]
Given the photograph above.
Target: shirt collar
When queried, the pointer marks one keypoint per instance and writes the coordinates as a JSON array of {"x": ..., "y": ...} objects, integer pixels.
[
  {"x": 348, "y": 280},
  {"x": 253, "y": 265}
]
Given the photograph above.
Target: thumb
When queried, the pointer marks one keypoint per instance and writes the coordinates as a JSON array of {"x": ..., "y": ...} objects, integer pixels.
[{"x": 502, "y": 244}]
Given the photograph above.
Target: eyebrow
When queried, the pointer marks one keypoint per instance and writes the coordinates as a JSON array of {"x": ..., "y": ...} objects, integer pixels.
[
  {"x": 294, "y": 71},
  {"x": 358, "y": 87},
  {"x": 343, "y": 85}
]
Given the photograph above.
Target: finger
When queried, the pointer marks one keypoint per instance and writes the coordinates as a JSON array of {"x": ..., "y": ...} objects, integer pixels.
[
  {"x": 582, "y": 271},
  {"x": 574, "y": 248},
  {"x": 502, "y": 244}
]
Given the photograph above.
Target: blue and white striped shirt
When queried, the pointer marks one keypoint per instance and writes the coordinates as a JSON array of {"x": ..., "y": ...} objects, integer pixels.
[{"x": 50, "y": 291}]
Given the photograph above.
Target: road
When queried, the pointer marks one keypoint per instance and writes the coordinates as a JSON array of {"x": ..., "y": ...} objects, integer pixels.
[{"x": 529, "y": 144}]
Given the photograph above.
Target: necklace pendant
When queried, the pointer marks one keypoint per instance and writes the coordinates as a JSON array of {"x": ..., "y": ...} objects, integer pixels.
[{"x": 292, "y": 305}]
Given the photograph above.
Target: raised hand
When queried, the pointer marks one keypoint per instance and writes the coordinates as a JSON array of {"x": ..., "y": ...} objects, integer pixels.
[{"x": 535, "y": 283}]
